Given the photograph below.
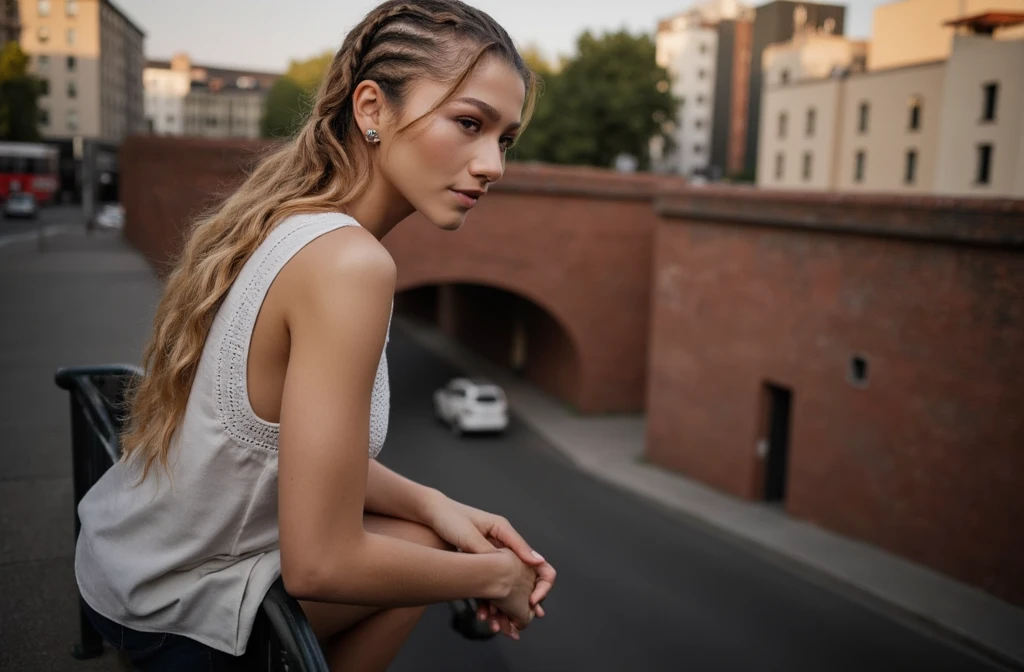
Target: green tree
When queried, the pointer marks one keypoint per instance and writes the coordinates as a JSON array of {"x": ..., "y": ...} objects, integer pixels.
[
  {"x": 609, "y": 99},
  {"x": 19, "y": 96},
  {"x": 290, "y": 98}
]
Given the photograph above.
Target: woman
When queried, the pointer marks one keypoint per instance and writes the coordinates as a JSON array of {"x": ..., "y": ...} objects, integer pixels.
[{"x": 249, "y": 446}]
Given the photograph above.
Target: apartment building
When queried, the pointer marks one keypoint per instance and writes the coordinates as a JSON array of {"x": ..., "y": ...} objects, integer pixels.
[
  {"x": 89, "y": 55},
  {"x": 950, "y": 126},
  {"x": 706, "y": 51},
  {"x": 184, "y": 98},
  {"x": 10, "y": 22},
  {"x": 776, "y": 22}
]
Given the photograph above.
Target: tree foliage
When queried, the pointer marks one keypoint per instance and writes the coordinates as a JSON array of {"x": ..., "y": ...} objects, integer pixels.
[
  {"x": 289, "y": 101},
  {"x": 609, "y": 99},
  {"x": 19, "y": 96}
]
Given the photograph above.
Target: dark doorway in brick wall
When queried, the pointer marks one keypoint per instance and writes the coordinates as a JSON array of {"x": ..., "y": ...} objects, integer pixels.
[{"x": 779, "y": 401}]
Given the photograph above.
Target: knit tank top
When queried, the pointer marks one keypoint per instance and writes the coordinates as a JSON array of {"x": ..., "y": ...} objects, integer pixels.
[{"x": 194, "y": 555}]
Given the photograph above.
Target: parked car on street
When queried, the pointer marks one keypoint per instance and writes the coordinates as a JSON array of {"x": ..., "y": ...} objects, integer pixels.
[
  {"x": 110, "y": 216},
  {"x": 21, "y": 204},
  {"x": 472, "y": 405}
]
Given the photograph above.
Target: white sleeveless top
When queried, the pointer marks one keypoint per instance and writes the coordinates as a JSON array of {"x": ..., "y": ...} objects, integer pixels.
[{"x": 197, "y": 558}]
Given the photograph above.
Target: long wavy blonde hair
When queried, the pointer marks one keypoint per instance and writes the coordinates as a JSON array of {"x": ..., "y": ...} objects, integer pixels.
[{"x": 324, "y": 167}]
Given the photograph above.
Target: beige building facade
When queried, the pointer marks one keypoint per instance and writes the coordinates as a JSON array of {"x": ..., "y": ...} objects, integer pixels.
[
  {"x": 798, "y": 132},
  {"x": 914, "y": 31},
  {"x": 952, "y": 126},
  {"x": 89, "y": 55},
  {"x": 889, "y": 130},
  {"x": 981, "y": 143}
]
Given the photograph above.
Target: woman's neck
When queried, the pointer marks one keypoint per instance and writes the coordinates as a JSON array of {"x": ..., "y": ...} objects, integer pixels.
[{"x": 380, "y": 208}]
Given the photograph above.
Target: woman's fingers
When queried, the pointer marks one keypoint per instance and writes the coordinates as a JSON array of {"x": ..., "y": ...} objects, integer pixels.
[{"x": 545, "y": 581}]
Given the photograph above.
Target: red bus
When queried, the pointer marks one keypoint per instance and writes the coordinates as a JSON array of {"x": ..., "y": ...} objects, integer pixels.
[{"x": 29, "y": 167}]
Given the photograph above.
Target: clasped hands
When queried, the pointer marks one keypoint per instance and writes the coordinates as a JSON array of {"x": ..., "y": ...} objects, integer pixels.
[{"x": 474, "y": 531}]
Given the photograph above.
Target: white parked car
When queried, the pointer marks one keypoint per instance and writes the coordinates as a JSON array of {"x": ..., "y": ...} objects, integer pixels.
[
  {"x": 110, "y": 216},
  {"x": 21, "y": 204},
  {"x": 472, "y": 405}
]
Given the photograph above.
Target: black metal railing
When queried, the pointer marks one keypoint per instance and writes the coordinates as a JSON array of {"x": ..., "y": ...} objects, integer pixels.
[{"x": 282, "y": 638}]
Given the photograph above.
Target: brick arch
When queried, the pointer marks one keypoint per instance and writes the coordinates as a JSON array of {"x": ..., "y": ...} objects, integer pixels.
[
  {"x": 555, "y": 311},
  {"x": 504, "y": 324},
  {"x": 577, "y": 243}
]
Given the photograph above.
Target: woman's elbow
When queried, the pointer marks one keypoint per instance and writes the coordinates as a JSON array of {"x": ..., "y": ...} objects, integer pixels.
[{"x": 302, "y": 579}]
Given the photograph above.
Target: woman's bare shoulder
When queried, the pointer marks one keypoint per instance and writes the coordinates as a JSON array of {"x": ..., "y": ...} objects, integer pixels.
[
  {"x": 348, "y": 255},
  {"x": 343, "y": 267}
]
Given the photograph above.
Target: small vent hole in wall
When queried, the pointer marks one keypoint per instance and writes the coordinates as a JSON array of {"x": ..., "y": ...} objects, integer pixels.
[{"x": 859, "y": 371}]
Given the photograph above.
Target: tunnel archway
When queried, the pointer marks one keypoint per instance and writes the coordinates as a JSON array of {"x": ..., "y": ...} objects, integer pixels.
[{"x": 505, "y": 326}]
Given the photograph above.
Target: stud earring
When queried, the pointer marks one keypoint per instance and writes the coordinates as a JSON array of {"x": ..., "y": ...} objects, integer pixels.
[{"x": 372, "y": 137}]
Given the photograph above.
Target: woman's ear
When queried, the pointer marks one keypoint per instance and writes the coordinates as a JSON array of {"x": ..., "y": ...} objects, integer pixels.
[{"x": 367, "y": 106}]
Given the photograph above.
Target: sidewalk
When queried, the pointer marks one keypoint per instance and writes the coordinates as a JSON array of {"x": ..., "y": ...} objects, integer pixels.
[
  {"x": 611, "y": 449},
  {"x": 75, "y": 299}
]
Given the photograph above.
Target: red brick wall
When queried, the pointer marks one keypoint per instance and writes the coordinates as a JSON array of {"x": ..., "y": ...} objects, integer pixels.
[
  {"x": 928, "y": 459},
  {"x": 585, "y": 260},
  {"x": 165, "y": 182}
]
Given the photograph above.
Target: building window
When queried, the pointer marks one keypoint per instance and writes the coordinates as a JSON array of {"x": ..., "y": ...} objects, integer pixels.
[
  {"x": 807, "y": 165},
  {"x": 44, "y": 116},
  {"x": 71, "y": 7},
  {"x": 44, "y": 87},
  {"x": 783, "y": 123},
  {"x": 43, "y": 7},
  {"x": 170, "y": 118},
  {"x": 915, "y": 113},
  {"x": 71, "y": 63},
  {"x": 700, "y": 100},
  {"x": 910, "y": 175},
  {"x": 991, "y": 101},
  {"x": 43, "y": 60},
  {"x": 72, "y": 120},
  {"x": 811, "y": 119},
  {"x": 72, "y": 90},
  {"x": 43, "y": 33},
  {"x": 698, "y": 149},
  {"x": 71, "y": 36},
  {"x": 698, "y": 124},
  {"x": 858, "y": 167},
  {"x": 784, "y": 76},
  {"x": 862, "y": 117},
  {"x": 702, "y": 74},
  {"x": 780, "y": 166},
  {"x": 984, "y": 164},
  {"x": 703, "y": 47}
]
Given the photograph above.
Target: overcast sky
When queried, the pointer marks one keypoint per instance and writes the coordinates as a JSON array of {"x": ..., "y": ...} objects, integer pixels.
[{"x": 266, "y": 34}]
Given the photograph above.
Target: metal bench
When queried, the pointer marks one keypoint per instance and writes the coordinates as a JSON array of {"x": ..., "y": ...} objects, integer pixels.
[{"x": 282, "y": 638}]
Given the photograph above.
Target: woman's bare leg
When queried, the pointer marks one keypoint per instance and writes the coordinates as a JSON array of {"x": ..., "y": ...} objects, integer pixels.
[{"x": 369, "y": 638}]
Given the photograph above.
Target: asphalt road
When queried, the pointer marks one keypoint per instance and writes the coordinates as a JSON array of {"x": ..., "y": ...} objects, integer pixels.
[
  {"x": 50, "y": 216},
  {"x": 639, "y": 588}
]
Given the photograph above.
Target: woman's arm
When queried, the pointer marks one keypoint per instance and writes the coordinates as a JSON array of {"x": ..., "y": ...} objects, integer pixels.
[
  {"x": 338, "y": 293},
  {"x": 391, "y": 494}
]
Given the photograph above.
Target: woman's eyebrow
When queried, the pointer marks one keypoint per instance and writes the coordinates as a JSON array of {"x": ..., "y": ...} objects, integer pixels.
[{"x": 488, "y": 110}]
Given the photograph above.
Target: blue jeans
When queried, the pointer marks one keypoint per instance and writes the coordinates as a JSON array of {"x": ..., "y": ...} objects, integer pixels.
[{"x": 161, "y": 651}]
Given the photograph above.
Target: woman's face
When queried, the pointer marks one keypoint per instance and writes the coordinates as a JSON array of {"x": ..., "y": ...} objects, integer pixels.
[{"x": 444, "y": 163}]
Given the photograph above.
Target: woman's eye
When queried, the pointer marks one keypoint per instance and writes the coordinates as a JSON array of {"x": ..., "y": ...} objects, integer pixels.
[
  {"x": 506, "y": 143},
  {"x": 469, "y": 124}
]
